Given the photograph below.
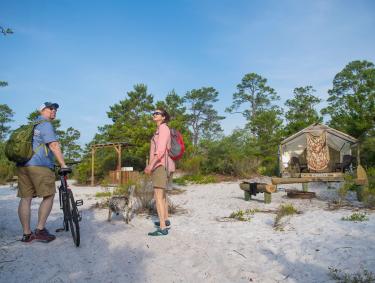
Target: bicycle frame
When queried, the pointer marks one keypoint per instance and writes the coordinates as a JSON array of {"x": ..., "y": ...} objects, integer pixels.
[{"x": 72, "y": 216}]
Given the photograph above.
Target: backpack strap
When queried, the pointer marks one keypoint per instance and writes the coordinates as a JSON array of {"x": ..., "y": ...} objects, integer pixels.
[{"x": 42, "y": 144}]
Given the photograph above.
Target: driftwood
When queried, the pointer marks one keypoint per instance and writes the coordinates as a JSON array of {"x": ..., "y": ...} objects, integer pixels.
[{"x": 126, "y": 205}]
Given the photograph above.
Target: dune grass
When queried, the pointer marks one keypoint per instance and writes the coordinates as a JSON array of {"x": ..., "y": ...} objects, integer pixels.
[
  {"x": 356, "y": 217},
  {"x": 362, "y": 276}
]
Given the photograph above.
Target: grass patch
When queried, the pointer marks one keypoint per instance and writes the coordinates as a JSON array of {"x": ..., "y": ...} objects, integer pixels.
[
  {"x": 103, "y": 194},
  {"x": 356, "y": 217},
  {"x": 242, "y": 215},
  {"x": 284, "y": 210},
  {"x": 363, "y": 276},
  {"x": 195, "y": 179}
]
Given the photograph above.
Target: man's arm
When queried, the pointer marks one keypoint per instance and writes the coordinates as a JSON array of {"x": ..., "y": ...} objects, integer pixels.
[{"x": 55, "y": 148}]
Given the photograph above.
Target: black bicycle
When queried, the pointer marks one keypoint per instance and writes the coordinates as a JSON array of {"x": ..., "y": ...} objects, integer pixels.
[{"x": 72, "y": 216}]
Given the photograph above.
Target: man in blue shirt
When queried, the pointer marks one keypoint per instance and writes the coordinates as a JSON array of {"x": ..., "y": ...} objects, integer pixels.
[{"x": 36, "y": 177}]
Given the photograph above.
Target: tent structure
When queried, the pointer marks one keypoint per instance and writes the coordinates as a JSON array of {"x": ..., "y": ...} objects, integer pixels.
[{"x": 316, "y": 149}]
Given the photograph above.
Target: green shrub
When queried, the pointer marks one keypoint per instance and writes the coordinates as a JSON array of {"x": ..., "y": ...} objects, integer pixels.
[
  {"x": 242, "y": 215},
  {"x": 369, "y": 197},
  {"x": 346, "y": 186},
  {"x": 103, "y": 194},
  {"x": 123, "y": 189},
  {"x": 284, "y": 210},
  {"x": 192, "y": 165},
  {"x": 362, "y": 276},
  {"x": 82, "y": 173},
  {"x": 7, "y": 168},
  {"x": 357, "y": 216},
  {"x": 195, "y": 179}
]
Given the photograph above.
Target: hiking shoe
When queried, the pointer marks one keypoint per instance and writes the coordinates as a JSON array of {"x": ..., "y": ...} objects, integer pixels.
[
  {"x": 44, "y": 236},
  {"x": 167, "y": 223},
  {"x": 159, "y": 232},
  {"x": 27, "y": 238}
]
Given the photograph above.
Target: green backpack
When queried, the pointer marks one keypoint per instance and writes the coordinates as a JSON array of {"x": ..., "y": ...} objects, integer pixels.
[{"x": 19, "y": 147}]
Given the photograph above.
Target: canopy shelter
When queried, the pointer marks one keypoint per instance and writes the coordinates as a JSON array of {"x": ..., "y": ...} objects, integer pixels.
[
  {"x": 116, "y": 145},
  {"x": 317, "y": 148}
]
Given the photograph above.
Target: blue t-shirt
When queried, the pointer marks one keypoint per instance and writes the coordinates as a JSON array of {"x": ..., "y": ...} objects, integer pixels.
[{"x": 44, "y": 133}]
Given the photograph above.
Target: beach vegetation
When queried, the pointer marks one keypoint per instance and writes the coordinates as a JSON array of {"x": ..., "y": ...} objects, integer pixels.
[
  {"x": 103, "y": 194},
  {"x": 340, "y": 276},
  {"x": 284, "y": 210},
  {"x": 245, "y": 152},
  {"x": 195, "y": 179},
  {"x": 356, "y": 217},
  {"x": 243, "y": 215}
]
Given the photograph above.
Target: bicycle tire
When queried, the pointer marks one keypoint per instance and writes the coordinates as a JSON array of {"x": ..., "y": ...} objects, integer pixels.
[
  {"x": 73, "y": 219},
  {"x": 65, "y": 208}
]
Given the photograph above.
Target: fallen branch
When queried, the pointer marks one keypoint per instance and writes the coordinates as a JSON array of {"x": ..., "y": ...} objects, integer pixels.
[{"x": 239, "y": 253}]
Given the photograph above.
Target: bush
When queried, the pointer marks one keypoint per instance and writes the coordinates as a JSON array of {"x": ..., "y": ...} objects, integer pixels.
[
  {"x": 195, "y": 179},
  {"x": 192, "y": 165},
  {"x": 103, "y": 194},
  {"x": 7, "y": 168},
  {"x": 343, "y": 190},
  {"x": 356, "y": 217},
  {"x": 363, "y": 276},
  {"x": 243, "y": 215},
  {"x": 284, "y": 210}
]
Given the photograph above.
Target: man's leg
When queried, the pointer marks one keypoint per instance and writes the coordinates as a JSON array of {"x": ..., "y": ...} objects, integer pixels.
[
  {"x": 24, "y": 213},
  {"x": 44, "y": 211}
]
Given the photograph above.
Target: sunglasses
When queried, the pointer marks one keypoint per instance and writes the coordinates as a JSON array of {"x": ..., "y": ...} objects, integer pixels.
[
  {"x": 157, "y": 113},
  {"x": 52, "y": 108}
]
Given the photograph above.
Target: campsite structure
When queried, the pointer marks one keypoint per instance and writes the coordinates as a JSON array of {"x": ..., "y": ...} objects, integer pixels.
[{"x": 316, "y": 153}]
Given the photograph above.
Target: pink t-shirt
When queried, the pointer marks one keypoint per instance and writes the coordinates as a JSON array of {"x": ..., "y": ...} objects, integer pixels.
[{"x": 160, "y": 144}]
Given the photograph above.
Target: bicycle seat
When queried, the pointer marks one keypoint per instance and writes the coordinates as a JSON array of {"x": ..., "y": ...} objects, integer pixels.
[{"x": 65, "y": 171}]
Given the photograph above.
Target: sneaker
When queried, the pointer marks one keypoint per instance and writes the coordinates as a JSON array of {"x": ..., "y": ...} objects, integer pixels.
[
  {"x": 44, "y": 236},
  {"x": 167, "y": 223},
  {"x": 27, "y": 238},
  {"x": 159, "y": 232}
]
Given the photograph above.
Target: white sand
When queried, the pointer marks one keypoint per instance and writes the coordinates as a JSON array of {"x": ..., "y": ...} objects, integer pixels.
[{"x": 199, "y": 248}]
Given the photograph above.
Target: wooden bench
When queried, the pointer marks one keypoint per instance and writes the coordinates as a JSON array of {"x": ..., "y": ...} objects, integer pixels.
[{"x": 252, "y": 189}]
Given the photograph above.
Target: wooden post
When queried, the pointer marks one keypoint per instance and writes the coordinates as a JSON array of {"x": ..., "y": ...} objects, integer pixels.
[
  {"x": 92, "y": 166},
  {"x": 281, "y": 166},
  {"x": 247, "y": 196},
  {"x": 119, "y": 157},
  {"x": 267, "y": 197},
  {"x": 305, "y": 187},
  {"x": 118, "y": 150},
  {"x": 358, "y": 155}
]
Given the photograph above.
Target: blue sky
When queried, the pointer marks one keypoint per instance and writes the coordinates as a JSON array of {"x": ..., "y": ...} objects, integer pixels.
[{"x": 86, "y": 55}]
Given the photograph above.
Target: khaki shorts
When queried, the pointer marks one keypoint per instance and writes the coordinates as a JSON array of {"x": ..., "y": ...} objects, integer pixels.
[
  {"x": 35, "y": 181},
  {"x": 160, "y": 178}
]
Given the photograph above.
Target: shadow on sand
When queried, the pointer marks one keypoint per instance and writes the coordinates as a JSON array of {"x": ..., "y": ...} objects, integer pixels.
[{"x": 103, "y": 256}]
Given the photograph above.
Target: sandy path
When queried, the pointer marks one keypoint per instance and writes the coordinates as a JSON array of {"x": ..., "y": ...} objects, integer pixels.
[{"x": 199, "y": 248}]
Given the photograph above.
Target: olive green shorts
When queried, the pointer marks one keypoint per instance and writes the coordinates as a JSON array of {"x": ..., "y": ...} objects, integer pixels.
[
  {"x": 160, "y": 178},
  {"x": 35, "y": 181}
]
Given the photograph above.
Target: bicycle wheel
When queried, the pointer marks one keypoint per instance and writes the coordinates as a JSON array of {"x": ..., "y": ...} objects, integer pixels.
[
  {"x": 64, "y": 204},
  {"x": 73, "y": 219}
]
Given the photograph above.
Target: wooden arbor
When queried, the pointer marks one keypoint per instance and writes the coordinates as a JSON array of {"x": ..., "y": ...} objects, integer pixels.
[{"x": 116, "y": 145}]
